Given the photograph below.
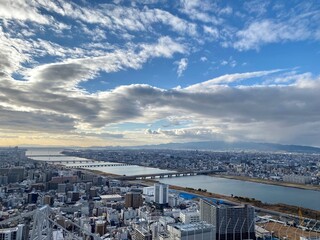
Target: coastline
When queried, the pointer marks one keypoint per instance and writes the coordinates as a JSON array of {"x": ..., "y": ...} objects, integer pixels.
[
  {"x": 269, "y": 182},
  {"x": 260, "y": 206}
]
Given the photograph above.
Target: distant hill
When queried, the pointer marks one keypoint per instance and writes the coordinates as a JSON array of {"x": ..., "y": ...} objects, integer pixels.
[{"x": 231, "y": 146}]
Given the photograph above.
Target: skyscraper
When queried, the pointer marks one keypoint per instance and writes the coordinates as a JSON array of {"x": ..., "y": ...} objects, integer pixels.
[
  {"x": 161, "y": 193},
  {"x": 231, "y": 222}
]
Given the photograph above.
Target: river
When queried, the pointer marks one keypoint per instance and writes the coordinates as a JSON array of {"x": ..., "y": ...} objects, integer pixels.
[
  {"x": 264, "y": 192},
  {"x": 52, "y": 155}
]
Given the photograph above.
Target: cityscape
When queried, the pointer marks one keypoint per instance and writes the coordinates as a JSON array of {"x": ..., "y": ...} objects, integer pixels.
[
  {"x": 159, "y": 120},
  {"x": 64, "y": 194}
]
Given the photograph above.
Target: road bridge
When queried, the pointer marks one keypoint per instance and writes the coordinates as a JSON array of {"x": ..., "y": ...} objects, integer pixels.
[
  {"x": 100, "y": 165},
  {"x": 168, "y": 175},
  {"x": 44, "y": 155},
  {"x": 70, "y": 161}
]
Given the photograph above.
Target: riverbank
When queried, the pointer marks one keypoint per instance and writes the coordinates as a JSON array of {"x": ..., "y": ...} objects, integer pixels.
[
  {"x": 280, "y": 208},
  {"x": 270, "y": 182}
]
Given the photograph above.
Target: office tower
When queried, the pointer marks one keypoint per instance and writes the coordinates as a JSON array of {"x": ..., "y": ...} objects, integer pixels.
[
  {"x": 231, "y": 222},
  {"x": 161, "y": 193},
  {"x": 133, "y": 200}
]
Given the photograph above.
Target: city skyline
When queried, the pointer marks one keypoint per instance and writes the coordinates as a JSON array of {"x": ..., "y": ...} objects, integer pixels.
[{"x": 149, "y": 72}]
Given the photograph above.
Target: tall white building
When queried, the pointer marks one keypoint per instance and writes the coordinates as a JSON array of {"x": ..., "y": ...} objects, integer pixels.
[{"x": 161, "y": 193}]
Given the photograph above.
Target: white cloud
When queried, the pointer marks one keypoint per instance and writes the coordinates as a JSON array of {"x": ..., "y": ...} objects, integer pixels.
[
  {"x": 296, "y": 25},
  {"x": 200, "y": 10},
  {"x": 203, "y": 59},
  {"x": 231, "y": 62},
  {"x": 212, "y": 32},
  {"x": 22, "y": 10},
  {"x": 49, "y": 101},
  {"x": 267, "y": 31},
  {"x": 237, "y": 112},
  {"x": 182, "y": 66},
  {"x": 214, "y": 83}
]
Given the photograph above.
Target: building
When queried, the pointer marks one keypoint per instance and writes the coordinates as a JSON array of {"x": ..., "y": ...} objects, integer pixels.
[
  {"x": 93, "y": 192},
  {"x": 161, "y": 193},
  {"x": 128, "y": 215},
  {"x": 201, "y": 230},
  {"x": 3, "y": 180},
  {"x": 133, "y": 200},
  {"x": 73, "y": 196},
  {"x": 141, "y": 233},
  {"x": 100, "y": 227},
  {"x": 148, "y": 194},
  {"x": 62, "y": 187},
  {"x": 231, "y": 222},
  {"x": 48, "y": 200},
  {"x": 189, "y": 217},
  {"x": 16, "y": 233},
  {"x": 14, "y": 174},
  {"x": 32, "y": 197},
  {"x": 297, "y": 179}
]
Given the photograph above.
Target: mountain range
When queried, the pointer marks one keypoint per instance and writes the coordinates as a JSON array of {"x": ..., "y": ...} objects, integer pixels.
[{"x": 229, "y": 146}]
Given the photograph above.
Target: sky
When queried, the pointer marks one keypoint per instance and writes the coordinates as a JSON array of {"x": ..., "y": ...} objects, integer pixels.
[{"x": 121, "y": 73}]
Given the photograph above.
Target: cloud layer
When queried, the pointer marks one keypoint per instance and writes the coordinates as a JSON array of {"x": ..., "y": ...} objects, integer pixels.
[{"x": 50, "y": 50}]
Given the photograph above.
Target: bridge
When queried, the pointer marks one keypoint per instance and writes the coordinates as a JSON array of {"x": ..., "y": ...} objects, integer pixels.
[
  {"x": 169, "y": 175},
  {"x": 69, "y": 161},
  {"x": 100, "y": 165},
  {"x": 48, "y": 155}
]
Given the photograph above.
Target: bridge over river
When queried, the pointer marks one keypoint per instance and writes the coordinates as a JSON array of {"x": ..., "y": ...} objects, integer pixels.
[
  {"x": 168, "y": 175},
  {"x": 98, "y": 165}
]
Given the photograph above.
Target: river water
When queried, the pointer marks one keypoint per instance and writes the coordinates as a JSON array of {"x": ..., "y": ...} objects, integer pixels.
[
  {"x": 51, "y": 155},
  {"x": 264, "y": 192}
]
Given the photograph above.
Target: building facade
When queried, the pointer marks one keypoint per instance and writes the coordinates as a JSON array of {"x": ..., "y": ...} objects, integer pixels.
[
  {"x": 231, "y": 222},
  {"x": 161, "y": 193}
]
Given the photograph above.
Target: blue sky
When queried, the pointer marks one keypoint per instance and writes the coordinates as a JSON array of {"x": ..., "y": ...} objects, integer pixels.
[{"x": 102, "y": 73}]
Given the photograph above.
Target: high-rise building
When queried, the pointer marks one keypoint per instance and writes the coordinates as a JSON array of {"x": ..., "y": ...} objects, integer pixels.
[
  {"x": 133, "y": 200},
  {"x": 231, "y": 222},
  {"x": 161, "y": 193}
]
